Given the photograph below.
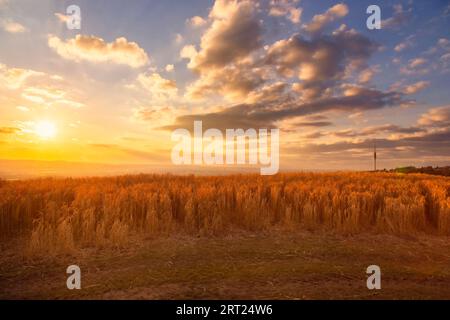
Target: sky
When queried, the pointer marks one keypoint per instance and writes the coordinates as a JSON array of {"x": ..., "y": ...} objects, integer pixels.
[{"x": 113, "y": 91}]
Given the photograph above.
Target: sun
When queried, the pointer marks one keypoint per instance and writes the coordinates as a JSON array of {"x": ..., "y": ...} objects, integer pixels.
[{"x": 45, "y": 129}]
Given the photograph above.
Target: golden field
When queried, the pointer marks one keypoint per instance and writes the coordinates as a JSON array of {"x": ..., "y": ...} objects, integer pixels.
[
  {"x": 66, "y": 214},
  {"x": 165, "y": 217}
]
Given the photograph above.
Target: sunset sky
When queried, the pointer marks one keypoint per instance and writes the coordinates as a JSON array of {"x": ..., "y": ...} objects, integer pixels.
[{"x": 113, "y": 91}]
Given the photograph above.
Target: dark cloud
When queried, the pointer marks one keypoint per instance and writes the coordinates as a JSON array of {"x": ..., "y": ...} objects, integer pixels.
[
  {"x": 314, "y": 135},
  {"x": 391, "y": 128},
  {"x": 235, "y": 32},
  {"x": 265, "y": 115},
  {"x": 328, "y": 52},
  {"x": 232, "y": 63},
  {"x": 313, "y": 124},
  {"x": 387, "y": 128},
  {"x": 431, "y": 144},
  {"x": 320, "y": 62}
]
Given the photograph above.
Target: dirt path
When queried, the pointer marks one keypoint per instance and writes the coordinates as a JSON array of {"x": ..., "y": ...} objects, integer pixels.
[{"x": 302, "y": 266}]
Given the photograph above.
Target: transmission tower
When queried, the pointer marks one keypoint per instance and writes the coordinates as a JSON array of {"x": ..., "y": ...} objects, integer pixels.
[{"x": 374, "y": 156}]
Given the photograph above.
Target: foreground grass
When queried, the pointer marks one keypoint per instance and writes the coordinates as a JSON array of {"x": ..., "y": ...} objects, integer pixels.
[{"x": 247, "y": 266}]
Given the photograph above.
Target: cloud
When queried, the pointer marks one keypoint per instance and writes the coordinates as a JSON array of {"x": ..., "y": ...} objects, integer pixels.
[
  {"x": 401, "y": 46},
  {"x": 416, "y": 87},
  {"x": 407, "y": 43},
  {"x": 447, "y": 11},
  {"x": 169, "y": 68},
  {"x": 437, "y": 117},
  {"x": 156, "y": 86},
  {"x": 321, "y": 61},
  {"x": 188, "y": 52},
  {"x": 235, "y": 31},
  {"x": 266, "y": 115},
  {"x": 155, "y": 81},
  {"x": 156, "y": 115},
  {"x": 270, "y": 93},
  {"x": 223, "y": 60},
  {"x": 14, "y": 78},
  {"x": 196, "y": 21},
  {"x": 427, "y": 144},
  {"x": 292, "y": 77},
  {"x": 232, "y": 63},
  {"x": 295, "y": 15},
  {"x": 395, "y": 150},
  {"x": 416, "y": 66},
  {"x": 367, "y": 74},
  {"x": 120, "y": 151},
  {"x": 36, "y": 87},
  {"x": 33, "y": 98},
  {"x": 234, "y": 82},
  {"x": 149, "y": 113},
  {"x": 45, "y": 91},
  {"x": 445, "y": 57},
  {"x": 319, "y": 58},
  {"x": 178, "y": 39},
  {"x": 414, "y": 63},
  {"x": 68, "y": 103},
  {"x": 430, "y": 139},
  {"x": 377, "y": 130},
  {"x": 50, "y": 95},
  {"x": 9, "y": 130},
  {"x": 62, "y": 17},
  {"x": 444, "y": 43},
  {"x": 304, "y": 75},
  {"x": 94, "y": 49},
  {"x": 23, "y": 108},
  {"x": 313, "y": 124},
  {"x": 399, "y": 18},
  {"x": 12, "y": 26},
  {"x": 287, "y": 9},
  {"x": 321, "y": 20}
]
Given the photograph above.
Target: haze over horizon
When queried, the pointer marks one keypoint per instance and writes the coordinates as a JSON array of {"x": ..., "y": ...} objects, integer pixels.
[{"x": 112, "y": 92}]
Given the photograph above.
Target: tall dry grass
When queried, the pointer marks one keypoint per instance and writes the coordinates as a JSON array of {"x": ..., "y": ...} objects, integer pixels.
[{"x": 61, "y": 215}]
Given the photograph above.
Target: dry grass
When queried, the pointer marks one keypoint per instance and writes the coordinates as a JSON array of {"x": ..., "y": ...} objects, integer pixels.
[{"x": 63, "y": 215}]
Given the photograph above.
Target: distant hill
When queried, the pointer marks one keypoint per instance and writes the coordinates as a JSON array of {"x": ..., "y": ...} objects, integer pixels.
[{"x": 441, "y": 171}]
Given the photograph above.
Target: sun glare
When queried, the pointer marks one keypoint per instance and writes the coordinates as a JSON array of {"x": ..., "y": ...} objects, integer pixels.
[{"x": 45, "y": 129}]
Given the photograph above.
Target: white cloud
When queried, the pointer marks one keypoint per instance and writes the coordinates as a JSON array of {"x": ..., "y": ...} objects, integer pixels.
[
  {"x": 169, "y": 68},
  {"x": 416, "y": 87},
  {"x": 14, "y": 78},
  {"x": 12, "y": 26},
  {"x": 196, "y": 21},
  {"x": 95, "y": 49},
  {"x": 287, "y": 9},
  {"x": 417, "y": 62},
  {"x": 321, "y": 20}
]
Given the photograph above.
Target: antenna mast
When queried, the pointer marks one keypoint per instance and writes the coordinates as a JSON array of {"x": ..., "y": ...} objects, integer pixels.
[{"x": 375, "y": 156}]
